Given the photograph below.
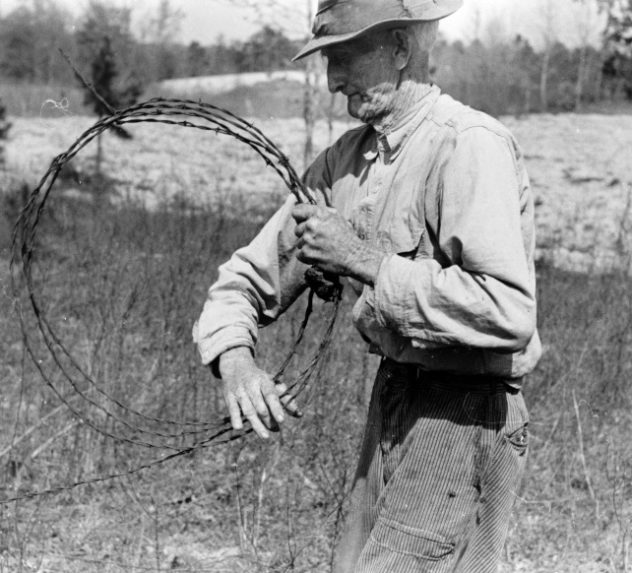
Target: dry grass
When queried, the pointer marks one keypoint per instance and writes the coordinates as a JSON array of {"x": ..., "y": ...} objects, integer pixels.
[
  {"x": 578, "y": 165},
  {"x": 277, "y": 507}
]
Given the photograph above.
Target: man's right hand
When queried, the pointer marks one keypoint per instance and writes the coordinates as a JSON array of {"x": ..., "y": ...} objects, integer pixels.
[{"x": 251, "y": 392}]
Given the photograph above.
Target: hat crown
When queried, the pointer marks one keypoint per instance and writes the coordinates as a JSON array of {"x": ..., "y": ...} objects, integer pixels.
[
  {"x": 343, "y": 20},
  {"x": 335, "y": 17}
]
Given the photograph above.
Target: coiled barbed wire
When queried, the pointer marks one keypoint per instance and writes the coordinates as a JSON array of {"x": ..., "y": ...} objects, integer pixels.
[{"x": 113, "y": 418}]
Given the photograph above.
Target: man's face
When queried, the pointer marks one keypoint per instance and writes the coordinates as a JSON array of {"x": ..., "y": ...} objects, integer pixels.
[{"x": 364, "y": 71}]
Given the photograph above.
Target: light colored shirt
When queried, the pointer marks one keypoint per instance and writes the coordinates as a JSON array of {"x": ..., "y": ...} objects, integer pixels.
[{"x": 446, "y": 196}]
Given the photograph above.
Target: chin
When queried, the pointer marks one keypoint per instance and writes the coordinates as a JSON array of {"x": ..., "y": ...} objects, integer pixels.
[
  {"x": 363, "y": 113},
  {"x": 367, "y": 116},
  {"x": 353, "y": 109}
]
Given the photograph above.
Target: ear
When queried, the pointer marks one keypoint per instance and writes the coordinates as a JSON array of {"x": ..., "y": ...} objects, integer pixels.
[{"x": 402, "y": 49}]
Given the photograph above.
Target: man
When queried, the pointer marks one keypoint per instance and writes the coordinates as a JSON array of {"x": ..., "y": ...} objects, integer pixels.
[{"x": 432, "y": 223}]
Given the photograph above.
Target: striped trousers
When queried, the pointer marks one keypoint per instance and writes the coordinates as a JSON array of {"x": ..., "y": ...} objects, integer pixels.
[{"x": 440, "y": 465}]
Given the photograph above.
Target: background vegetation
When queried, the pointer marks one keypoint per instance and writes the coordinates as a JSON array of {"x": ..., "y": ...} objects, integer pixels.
[
  {"x": 496, "y": 71},
  {"x": 123, "y": 282},
  {"x": 269, "y": 506}
]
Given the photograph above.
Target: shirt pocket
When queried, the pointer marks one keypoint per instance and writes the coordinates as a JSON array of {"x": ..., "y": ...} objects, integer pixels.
[
  {"x": 400, "y": 224},
  {"x": 402, "y": 239}
]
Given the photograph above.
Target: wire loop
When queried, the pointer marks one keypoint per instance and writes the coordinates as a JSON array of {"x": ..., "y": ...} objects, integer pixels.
[{"x": 87, "y": 399}]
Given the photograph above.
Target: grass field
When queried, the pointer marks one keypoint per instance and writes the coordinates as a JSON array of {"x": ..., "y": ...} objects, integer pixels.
[{"x": 121, "y": 267}]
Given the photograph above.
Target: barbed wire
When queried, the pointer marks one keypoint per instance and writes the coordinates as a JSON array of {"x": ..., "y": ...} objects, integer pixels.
[{"x": 87, "y": 400}]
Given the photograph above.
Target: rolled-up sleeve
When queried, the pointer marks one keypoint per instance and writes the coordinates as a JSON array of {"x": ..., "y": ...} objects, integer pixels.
[
  {"x": 258, "y": 283},
  {"x": 485, "y": 295}
]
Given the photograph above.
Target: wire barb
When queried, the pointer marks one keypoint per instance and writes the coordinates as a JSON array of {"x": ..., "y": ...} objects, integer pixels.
[{"x": 87, "y": 400}]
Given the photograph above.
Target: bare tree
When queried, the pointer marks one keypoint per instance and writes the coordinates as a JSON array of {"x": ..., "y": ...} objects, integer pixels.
[
  {"x": 586, "y": 20},
  {"x": 549, "y": 33},
  {"x": 165, "y": 25},
  {"x": 475, "y": 25},
  {"x": 309, "y": 99},
  {"x": 294, "y": 19},
  {"x": 161, "y": 29}
]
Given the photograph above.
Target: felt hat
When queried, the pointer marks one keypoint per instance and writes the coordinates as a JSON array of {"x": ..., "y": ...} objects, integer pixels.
[{"x": 343, "y": 20}]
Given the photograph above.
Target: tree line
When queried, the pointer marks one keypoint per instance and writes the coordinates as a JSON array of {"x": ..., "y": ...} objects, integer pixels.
[
  {"x": 32, "y": 34},
  {"x": 501, "y": 76}
]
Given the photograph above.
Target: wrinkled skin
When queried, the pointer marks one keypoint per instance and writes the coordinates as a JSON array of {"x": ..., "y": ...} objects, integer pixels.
[
  {"x": 327, "y": 240},
  {"x": 369, "y": 73},
  {"x": 363, "y": 71},
  {"x": 251, "y": 392}
]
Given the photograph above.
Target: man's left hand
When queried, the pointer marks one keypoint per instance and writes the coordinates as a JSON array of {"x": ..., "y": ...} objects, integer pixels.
[{"x": 327, "y": 240}]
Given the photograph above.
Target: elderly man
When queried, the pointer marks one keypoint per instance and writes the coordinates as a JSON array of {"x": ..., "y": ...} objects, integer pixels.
[{"x": 432, "y": 223}]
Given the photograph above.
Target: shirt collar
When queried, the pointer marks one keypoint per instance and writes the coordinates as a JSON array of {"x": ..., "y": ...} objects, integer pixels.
[{"x": 389, "y": 144}]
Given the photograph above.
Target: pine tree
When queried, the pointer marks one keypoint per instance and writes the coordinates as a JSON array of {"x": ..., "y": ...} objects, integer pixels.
[
  {"x": 103, "y": 96},
  {"x": 103, "y": 73}
]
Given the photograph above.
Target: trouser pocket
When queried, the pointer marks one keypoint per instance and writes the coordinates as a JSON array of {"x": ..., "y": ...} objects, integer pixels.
[
  {"x": 396, "y": 547},
  {"x": 517, "y": 426},
  {"x": 519, "y": 439}
]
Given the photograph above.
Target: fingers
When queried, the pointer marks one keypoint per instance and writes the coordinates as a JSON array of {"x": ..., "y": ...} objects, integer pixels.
[
  {"x": 289, "y": 403},
  {"x": 234, "y": 412},
  {"x": 299, "y": 231},
  {"x": 242, "y": 401},
  {"x": 271, "y": 396},
  {"x": 261, "y": 402},
  {"x": 302, "y": 212},
  {"x": 251, "y": 414},
  {"x": 305, "y": 257}
]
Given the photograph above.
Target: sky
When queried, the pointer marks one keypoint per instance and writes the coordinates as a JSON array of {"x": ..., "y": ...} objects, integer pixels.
[{"x": 205, "y": 20}]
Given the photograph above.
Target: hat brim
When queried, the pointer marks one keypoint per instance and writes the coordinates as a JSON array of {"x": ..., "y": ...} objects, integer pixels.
[{"x": 316, "y": 44}]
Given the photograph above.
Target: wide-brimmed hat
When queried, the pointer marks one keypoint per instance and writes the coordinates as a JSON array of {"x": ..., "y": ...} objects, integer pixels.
[{"x": 343, "y": 20}]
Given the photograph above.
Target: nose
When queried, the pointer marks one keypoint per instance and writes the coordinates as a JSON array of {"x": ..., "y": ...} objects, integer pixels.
[{"x": 336, "y": 77}]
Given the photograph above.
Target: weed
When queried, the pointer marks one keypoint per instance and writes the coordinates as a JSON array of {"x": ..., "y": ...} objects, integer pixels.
[{"x": 123, "y": 284}]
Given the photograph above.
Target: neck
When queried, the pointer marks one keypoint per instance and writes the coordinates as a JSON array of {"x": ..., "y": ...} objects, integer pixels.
[{"x": 405, "y": 100}]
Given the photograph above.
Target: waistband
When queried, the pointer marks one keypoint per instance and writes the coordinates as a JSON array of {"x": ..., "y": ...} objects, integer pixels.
[{"x": 465, "y": 383}]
